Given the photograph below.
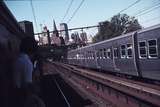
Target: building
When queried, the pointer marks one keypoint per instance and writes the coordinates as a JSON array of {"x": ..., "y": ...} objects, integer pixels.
[
  {"x": 64, "y": 32},
  {"x": 55, "y": 40},
  {"x": 83, "y": 37},
  {"x": 43, "y": 37},
  {"x": 75, "y": 37},
  {"x": 27, "y": 27}
]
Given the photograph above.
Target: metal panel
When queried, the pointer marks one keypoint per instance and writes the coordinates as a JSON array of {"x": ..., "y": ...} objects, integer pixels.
[{"x": 150, "y": 66}]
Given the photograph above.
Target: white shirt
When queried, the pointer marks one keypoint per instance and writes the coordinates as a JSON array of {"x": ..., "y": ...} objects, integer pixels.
[{"x": 23, "y": 70}]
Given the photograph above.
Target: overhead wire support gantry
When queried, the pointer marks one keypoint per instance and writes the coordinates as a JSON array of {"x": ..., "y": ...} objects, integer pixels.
[{"x": 86, "y": 27}]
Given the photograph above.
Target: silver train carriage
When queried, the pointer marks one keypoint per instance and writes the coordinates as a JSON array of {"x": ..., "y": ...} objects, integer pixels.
[{"x": 135, "y": 54}]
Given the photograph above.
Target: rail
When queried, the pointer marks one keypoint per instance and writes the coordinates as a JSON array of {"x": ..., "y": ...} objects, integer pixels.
[
  {"x": 144, "y": 93},
  {"x": 59, "y": 88}
]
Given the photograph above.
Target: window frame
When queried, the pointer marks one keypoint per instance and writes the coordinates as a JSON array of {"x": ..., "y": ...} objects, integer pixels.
[
  {"x": 101, "y": 53},
  {"x": 89, "y": 55},
  {"x": 114, "y": 52},
  {"x": 124, "y": 50},
  {"x": 94, "y": 57},
  {"x": 127, "y": 56},
  {"x": 104, "y": 53},
  {"x": 146, "y": 48},
  {"x": 109, "y": 50},
  {"x": 97, "y": 54},
  {"x": 149, "y": 47}
]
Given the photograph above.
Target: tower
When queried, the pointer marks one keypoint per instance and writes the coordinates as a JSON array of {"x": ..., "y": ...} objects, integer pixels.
[
  {"x": 55, "y": 31},
  {"x": 64, "y": 32},
  {"x": 27, "y": 27},
  {"x": 55, "y": 36}
]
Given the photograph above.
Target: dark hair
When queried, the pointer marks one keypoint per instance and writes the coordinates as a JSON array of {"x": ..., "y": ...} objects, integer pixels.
[{"x": 28, "y": 45}]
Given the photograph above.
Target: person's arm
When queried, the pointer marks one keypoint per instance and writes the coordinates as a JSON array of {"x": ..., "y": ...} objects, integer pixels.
[{"x": 28, "y": 69}]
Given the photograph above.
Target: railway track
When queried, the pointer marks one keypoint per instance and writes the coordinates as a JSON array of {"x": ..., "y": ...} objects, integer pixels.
[
  {"x": 59, "y": 88},
  {"x": 146, "y": 95},
  {"x": 57, "y": 93},
  {"x": 52, "y": 95}
]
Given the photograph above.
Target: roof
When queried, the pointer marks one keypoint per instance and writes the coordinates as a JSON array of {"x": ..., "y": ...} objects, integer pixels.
[{"x": 121, "y": 36}]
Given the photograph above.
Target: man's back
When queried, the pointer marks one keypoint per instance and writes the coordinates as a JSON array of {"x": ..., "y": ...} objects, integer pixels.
[{"x": 23, "y": 70}]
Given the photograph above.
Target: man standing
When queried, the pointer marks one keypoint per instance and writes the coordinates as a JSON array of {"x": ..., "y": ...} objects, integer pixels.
[{"x": 23, "y": 69}]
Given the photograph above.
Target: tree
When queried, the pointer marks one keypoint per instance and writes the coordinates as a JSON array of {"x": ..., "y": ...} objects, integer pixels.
[{"x": 119, "y": 24}]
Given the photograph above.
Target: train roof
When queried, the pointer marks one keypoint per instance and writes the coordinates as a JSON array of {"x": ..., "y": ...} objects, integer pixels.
[
  {"x": 121, "y": 36},
  {"x": 124, "y": 35},
  {"x": 149, "y": 28}
]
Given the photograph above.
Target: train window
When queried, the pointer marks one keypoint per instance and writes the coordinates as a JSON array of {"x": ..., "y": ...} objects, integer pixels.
[
  {"x": 89, "y": 53},
  {"x": 129, "y": 50},
  {"x": 80, "y": 56},
  {"x": 152, "y": 49},
  {"x": 142, "y": 49},
  {"x": 101, "y": 53},
  {"x": 104, "y": 53},
  {"x": 83, "y": 57},
  {"x": 123, "y": 51},
  {"x": 97, "y": 54},
  {"x": 77, "y": 56},
  {"x": 93, "y": 55},
  {"x": 108, "y": 53},
  {"x": 115, "y": 52}
]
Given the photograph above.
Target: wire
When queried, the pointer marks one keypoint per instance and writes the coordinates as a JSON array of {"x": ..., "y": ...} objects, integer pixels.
[
  {"x": 129, "y": 6},
  {"x": 75, "y": 11},
  {"x": 148, "y": 11},
  {"x": 34, "y": 16},
  {"x": 145, "y": 9},
  {"x": 69, "y": 6},
  {"x": 155, "y": 18}
]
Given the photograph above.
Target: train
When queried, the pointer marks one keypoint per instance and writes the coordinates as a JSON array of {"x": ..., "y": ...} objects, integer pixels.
[
  {"x": 135, "y": 54},
  {"x": 10, "y": 36}
]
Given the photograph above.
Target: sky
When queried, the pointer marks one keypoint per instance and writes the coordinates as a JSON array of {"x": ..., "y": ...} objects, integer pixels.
[{"x": 90, "y": 13}]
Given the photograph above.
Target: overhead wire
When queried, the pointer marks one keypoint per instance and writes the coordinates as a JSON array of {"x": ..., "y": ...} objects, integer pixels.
[
  {"x": 145, "y": 9},
  {"x": 118, "y": 12},
  {"x": 74, "y": 13},
  {"x": 129, "y": 6},
  {"x": 148, "y": 11},
  {"x": 67, "y": 11},
  {"x": 152, "y": 19},
  {"x": 34, "y": 16}
]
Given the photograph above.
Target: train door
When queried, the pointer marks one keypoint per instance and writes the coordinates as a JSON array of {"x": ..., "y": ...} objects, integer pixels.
[
  {"x": 81, "y": 59},
  {"x": 97, "y": 58},
  {"x": 114, "y": 58},
  {"x": 86, "y": 58}
]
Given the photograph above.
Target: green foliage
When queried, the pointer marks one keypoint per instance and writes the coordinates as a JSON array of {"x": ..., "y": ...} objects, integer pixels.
[{"x": 119, "y": 24}]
